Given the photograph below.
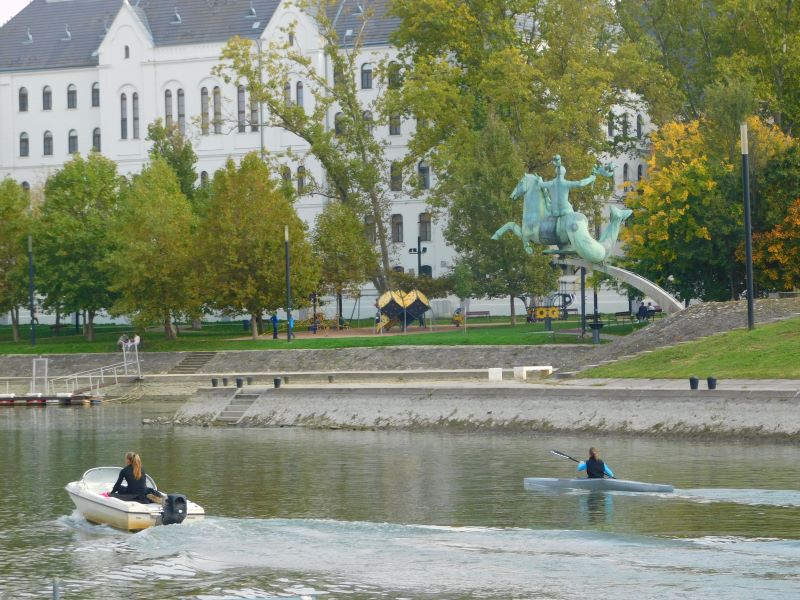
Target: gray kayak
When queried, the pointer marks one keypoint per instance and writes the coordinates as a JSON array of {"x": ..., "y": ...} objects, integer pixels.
[{"x": 602, "y": 485}]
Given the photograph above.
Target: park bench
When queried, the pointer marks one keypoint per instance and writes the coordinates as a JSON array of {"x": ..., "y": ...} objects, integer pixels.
[
  {"x": 478, "y": 313},
  {"x": 624, "y": 315}
]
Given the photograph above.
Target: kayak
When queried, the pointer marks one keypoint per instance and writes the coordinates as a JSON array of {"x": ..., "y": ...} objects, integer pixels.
[{"x": 602, "y": 485}]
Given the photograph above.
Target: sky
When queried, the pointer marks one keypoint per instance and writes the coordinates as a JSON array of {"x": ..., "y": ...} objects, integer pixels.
[{"x": 9, "y": 8}]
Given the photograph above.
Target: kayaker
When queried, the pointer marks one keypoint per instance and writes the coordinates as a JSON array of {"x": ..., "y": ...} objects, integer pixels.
[
  {"x": 594, "y": 467},
  {"x": 134, "y": 476}
]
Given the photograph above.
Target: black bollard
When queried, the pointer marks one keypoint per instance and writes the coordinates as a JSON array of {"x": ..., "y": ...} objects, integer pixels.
[
  {"x": 712, "y": 383},
  {"x": 224, "y": 381},
  {"x": 277, "y": 382},
  {"x": 214, "y": 382},
  {"x": 693, "y": 382},
  {"x": 249, "y": 381},
  {"x": 239, "y": 382},
  {"x": 331, "y": 378}
]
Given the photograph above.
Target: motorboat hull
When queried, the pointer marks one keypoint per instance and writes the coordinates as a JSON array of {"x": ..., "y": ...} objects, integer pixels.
[
  {"x": 87, "y": 495},
  {"x": 603, "y": 485}
]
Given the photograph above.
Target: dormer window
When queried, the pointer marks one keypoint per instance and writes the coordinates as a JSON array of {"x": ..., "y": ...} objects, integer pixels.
[
  {"x": 176, "y": 18},
  {"x": 127, "y": 51}
]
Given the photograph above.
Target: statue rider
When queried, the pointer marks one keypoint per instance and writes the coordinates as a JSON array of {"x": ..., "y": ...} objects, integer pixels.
[{"x": 557, "y": 189}]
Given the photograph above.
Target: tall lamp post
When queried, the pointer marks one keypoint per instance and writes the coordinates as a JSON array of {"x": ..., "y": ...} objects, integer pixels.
[
  {"x": 288, "y": 285},
  {"x": 748, "y": 233},
  {"x": 30, "y": 290}
]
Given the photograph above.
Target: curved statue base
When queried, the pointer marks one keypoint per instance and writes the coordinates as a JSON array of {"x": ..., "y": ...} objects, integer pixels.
[{"x": 662, "y": 297}]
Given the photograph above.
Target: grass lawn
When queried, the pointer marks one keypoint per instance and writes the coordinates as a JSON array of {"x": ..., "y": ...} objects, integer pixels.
[
  {"x": 769, "y": 351},
  {"x": 232, "y": 336}
]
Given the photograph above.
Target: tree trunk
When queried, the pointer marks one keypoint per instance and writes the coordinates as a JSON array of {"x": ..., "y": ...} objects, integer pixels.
[
  {"x": 513, "y": 313},
  {"x": 254, "y": 325},
  {"x": 380, "y": 281},
  {"x": 338, "y": 309},
  {"x": 259, "y": 324},
  {"x": 15, "y": 323},
  {"x": 169, "y": 330},
  {"x": 197, "y": 324},
  {"x": 58, "y": 320},
  {"x": 90, "y": 325}
]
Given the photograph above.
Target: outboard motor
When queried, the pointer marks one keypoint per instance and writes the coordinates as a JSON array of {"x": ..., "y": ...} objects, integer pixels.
[{"x": 175, "y": 507}]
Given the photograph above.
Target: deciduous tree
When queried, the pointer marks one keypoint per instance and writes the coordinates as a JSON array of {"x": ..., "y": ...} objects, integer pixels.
[{"x": 14, "y": 225}]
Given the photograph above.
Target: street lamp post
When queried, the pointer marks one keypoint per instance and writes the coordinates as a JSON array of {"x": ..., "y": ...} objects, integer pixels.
[
  {"x": 288, "y": 285},
  {"x": 748, "y": 233},
  {"x": 30, "y": 290}
]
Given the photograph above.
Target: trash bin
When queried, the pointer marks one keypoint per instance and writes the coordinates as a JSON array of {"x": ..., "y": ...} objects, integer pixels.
[
  {"x": 277, "y": 382},
  {"x": 331, "y": 378},
  {"x": 214, "y": 382},
  {"x": 693, "y": 382},
  {"x": 712, "y": 383},
  {"x": 249, "y": 381},
  {"x": 239, "y": 382},
  {"x": 224, "y": 381}
]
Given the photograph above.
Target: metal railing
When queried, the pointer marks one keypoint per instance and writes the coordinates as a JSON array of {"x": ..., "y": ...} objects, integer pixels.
[{"x": 93, "y": 379}]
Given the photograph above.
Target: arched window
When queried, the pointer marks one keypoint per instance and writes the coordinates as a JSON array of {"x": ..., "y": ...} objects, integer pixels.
[
  {"x": 123, "y": 117},
  {"x": 204, "y": 111},
  {"x": 301, "y": 179},
  {"x": 287, "y": 93},
  {"x": 611, "y": 125},
  {"x": 23, "y": 99},
  {"x": 397, "y": 229},
  {"x": 639, "y": 172},
  {"x": 625, "y": 176},
  {"x": 425, "y": 227},
  {"x": 369, "y": 228},
  {"x": 338, "y": 76},
  {"x": 181, "y": 112},
  {"x": 72, "y": 96},
  {"x": 425, "y": 271},
  {"x": 299, "y": 94},
  {"x": 72, "y": 142},
  {"x": 368, "y": 120},
  {"x": 338, "y": 123},
  {"x": 398, "y": 269},
  {"x": 47, "y": 144},
  {"x": 24, "y": 144},
  {"x": 639, "y": 126},
  {"x": 241, "y": 105},
  {"x": 625, "y": 125},
  {"x": 396, "y": 177},
  {"x": 96, "y": 139},
  {"x": 95, "y": 94},
  {"x": 366, "y": 76},
  {"x": 127, "y": 51},
  {"x": 217, "y": 110},
  {"x": 47, "y": 98},
  {"x": 395, "y": 78},
  {"x": 424, "y": 172},
  {"x": 254, "y": 117},
  {"x": 135, "y": 109},
  {"x": 168, "y": 108},
  {"x": 26, "y": 187},
  {"x": 394, "y": 124},
  {"x": 286, "y": 174},
  {"x": 204, "y": 179}
]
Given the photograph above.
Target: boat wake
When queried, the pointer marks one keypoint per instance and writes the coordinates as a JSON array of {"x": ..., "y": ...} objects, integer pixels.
[{"x": 750, "y": 497}]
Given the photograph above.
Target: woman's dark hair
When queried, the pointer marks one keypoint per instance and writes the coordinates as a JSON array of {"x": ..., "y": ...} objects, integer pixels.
[{"x": 593, "y": 452}]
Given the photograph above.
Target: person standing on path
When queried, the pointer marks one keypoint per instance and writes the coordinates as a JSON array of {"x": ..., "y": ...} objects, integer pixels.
[{"x": 274, "y": 320}]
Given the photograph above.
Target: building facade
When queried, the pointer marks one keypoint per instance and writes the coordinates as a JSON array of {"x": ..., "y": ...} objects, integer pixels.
[{"x": 77, "y": 75}]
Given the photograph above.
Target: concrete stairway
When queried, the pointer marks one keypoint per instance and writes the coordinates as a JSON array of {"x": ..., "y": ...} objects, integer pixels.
[
  {"x": 236, "y": 408},
  {"x": 193, "y": 362}
]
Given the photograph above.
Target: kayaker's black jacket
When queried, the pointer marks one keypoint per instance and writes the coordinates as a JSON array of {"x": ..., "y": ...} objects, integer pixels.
[
  {"x": 595, "y": 469},
  {"x": 136, "y": 487}
]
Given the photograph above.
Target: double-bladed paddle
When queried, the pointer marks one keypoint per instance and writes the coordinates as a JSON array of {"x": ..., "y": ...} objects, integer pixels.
[{"x": 563, "y": 455}]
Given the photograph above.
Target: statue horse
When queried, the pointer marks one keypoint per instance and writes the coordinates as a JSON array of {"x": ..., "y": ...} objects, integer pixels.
[{"x": 570, "y": 230}]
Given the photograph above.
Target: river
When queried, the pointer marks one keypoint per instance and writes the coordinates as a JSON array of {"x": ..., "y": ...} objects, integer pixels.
[{"x": 298, "y": 513}]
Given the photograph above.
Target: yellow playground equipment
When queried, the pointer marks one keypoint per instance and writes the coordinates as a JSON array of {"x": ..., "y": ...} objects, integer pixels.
[{"x": 403, "y": 308}]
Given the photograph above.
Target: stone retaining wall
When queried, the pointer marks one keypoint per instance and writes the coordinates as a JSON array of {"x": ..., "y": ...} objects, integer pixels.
[{"x": 762, "y": 414}]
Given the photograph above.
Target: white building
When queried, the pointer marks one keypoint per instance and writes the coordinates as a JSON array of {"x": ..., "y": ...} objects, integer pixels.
[{"x": 82, "y": 74}]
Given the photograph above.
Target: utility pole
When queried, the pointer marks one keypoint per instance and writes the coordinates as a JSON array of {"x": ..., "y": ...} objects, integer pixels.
[
  {"x": 31, "y": 290},
  {"x": 748, "y": 233},
  {"x": 288, "y": 285}
]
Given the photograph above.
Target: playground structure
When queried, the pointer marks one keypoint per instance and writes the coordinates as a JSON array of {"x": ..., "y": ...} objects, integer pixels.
[{"x": 398, "y": 307}]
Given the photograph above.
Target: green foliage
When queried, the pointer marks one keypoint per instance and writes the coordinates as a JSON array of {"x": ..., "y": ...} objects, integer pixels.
[
  {"x": 151, "y": 265},
  {"x": 14, "y": 225},
  {"x": 72, "y": 237},
  {"x": 356, "y": 168},
  {"x": 176, "y": 149},
  {"x": 347, "y": 259},
  {"x": 241, "y": 243}
]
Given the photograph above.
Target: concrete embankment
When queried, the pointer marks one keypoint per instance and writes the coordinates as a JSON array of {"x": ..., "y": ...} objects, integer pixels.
[{"x": 764, "y": 414}]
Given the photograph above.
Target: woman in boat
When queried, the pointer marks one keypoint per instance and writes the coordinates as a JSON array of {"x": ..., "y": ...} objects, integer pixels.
[
  {"x": 594, "y": 467},
  {"x": 134, "y": 476}
]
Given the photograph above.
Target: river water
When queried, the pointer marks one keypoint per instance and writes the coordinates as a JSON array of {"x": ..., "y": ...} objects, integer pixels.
[{"x": 295, "y": 513}]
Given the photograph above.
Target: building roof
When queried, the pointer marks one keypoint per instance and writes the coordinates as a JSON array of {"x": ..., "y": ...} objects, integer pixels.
[{"x": 56, "y": 34}]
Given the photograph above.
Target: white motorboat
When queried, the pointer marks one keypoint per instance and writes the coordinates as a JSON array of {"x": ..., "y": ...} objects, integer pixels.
[
  {"x": 602, "y": 485},
  {"x": 87, "y": 495}
]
